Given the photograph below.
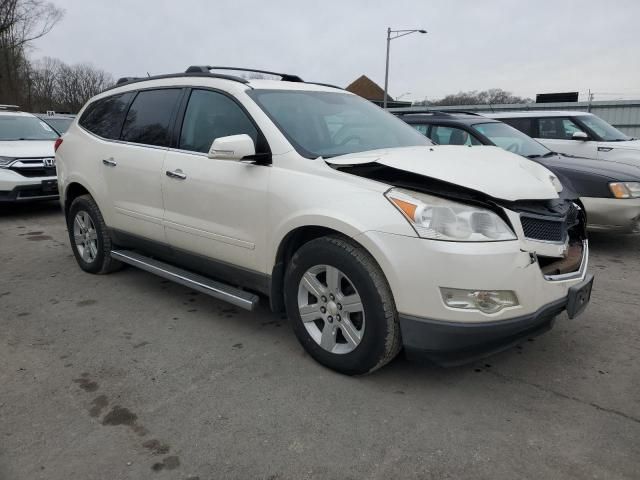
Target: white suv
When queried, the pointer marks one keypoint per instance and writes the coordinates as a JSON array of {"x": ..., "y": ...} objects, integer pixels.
[
  {"x": 581, "y": 134},
  {"x": 368, "y": 235},
  {"x": 27, "y": 164}
]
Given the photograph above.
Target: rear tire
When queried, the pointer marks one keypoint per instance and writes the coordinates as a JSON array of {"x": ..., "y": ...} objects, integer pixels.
[
  {"x": 352, "y": 300},
  {"x": 89, "y": 236}
]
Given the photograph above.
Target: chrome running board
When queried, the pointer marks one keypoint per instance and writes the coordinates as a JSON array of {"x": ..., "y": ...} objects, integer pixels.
[{"x": 215, "y": 289}]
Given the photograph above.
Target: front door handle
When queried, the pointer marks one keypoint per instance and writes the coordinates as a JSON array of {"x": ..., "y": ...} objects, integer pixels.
[
  {"x": 109, "y": 162},
  {"x": 176, "y": 174}
]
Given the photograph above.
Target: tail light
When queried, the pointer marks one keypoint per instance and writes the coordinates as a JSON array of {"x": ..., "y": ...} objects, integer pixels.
[{"x": 57, "y": 144}]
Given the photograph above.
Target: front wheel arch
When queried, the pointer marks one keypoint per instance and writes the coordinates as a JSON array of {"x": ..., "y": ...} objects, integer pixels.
[{"x": 291, "y": 242}]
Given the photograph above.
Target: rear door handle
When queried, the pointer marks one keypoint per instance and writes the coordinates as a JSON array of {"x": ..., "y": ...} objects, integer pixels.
[
  {"x": 176, "y": 174},
  {"x": 109, "y": 162}
]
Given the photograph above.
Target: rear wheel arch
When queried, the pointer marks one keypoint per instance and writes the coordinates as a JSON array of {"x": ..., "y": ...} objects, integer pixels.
[{"x": 73, "y": 191}]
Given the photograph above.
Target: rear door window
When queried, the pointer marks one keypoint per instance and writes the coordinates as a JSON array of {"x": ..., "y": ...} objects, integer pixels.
[
  {"x": 104, "y": 117},
  {"x": 149, "y": 117},
  {"x": 445, "y": 135},
  {"x": 525, "y": 125},
  {"x": 422, "y": 128}
]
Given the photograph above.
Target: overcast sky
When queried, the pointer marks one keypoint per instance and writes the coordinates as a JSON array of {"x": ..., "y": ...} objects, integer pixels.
[{"x": 526, "y": 47}]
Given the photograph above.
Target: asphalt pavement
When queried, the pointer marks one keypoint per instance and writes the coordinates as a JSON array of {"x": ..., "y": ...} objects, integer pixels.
[{"x": 129, "y": 376}]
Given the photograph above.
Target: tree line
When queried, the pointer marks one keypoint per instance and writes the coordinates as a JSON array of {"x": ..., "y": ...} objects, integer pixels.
[
  {"x": 48, "y": 83},
  {"x": 493, "y": 96}
]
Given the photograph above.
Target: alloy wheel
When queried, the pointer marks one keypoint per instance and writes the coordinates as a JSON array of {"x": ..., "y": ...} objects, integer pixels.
[
  {"x": 85, "y": 236},
  {"x": 331, "y": 309}
]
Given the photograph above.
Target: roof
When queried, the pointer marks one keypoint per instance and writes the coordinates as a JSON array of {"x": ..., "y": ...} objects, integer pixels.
[
  {"x": 537, "y": 113},
  {"x": 367, "y": 88},
  {"x": 14, "y": 113},
  {"x": 232, "y": 86},
  {"x": 55, "y": 115},
  {"x": 205, "y": 71}
]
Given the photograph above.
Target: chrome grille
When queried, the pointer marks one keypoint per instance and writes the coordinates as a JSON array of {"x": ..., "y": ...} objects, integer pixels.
[{"x": 34, "y": 167}]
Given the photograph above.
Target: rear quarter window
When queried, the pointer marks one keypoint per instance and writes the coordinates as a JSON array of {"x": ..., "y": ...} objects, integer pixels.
[{"x": 104, "y": 117}]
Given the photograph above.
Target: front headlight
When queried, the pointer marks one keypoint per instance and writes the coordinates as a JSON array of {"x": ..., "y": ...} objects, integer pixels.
[
  {"x": 625, "y": 189},
  {"x": 440, "y": 219},
  {"x": 4, "y": 161}
]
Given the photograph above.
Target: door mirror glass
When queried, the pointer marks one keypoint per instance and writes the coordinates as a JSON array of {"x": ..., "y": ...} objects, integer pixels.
[
  {"x": 579, "y": 136},
  {"x": 233, "y": 147}
]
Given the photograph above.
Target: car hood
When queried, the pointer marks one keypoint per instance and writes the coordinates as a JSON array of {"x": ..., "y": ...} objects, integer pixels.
[
  {"x": 27, "y": 148},
  {"x": 490, "y": 170},
  {"x": 612, "y": 169},
  {"x": 626, "y": 145}
]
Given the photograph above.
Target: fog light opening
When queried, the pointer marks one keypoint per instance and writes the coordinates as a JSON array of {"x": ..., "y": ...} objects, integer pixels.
[{"x": 486, "y": 301}]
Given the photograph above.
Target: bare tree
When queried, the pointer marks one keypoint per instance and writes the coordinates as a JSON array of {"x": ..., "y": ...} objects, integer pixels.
[
  {"x": 44, "y": 84},
  {"x": 75, "y": 84},
  {"x": 21, "y": 22}
]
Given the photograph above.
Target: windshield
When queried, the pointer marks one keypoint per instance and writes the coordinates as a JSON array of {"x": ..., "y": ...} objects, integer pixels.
[
  {"x": 602, "y": 129},
  {"x": 507, "y": 137},
  {"x": 328, "y": 124},
  {"x": 60, "y": 125},
  {"x": 21, "y": 127}
]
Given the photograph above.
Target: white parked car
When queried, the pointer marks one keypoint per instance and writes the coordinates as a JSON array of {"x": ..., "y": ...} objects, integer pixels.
[
  {"x": 368, "y": 235},
  {"x": 575, "y": 133},
  {"x": 27, "y": 164}
]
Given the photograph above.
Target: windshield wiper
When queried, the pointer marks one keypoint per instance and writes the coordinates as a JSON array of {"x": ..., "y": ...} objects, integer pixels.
[{"x": 534, "y": 155}]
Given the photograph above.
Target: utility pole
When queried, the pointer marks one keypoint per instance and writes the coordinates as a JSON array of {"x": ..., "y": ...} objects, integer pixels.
[{"x": 386, "y": 70}]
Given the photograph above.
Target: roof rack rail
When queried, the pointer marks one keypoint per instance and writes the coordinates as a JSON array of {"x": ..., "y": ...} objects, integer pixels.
[
  {"x": 205, "y": 71},
  {"x": 412, "y": 111},
  {"x": 325, "y": 85},
  {"x": 129, "y": 80},
  {"x": 122, "y": 80},
  {"x": 466, "y": 112},
  {"x": 285, "y": 77},
  {"x": 11, "y": 108},
  {"x": 433, "y": 111}
]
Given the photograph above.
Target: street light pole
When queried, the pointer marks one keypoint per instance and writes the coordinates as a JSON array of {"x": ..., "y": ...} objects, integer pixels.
[
  {"x": 398, "y": 34},
  {"x": 386, "y": 70}
]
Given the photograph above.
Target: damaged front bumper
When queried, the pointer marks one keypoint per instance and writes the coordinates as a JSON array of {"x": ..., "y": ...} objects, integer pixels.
[
  {"x": 455, "y": 343},
  {"x": 418, "y": 268}
]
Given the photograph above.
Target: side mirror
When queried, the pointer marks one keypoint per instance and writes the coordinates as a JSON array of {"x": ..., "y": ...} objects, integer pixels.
[
  {"x": 580, "y": 136},
  {"x": 233, "y": 147}
]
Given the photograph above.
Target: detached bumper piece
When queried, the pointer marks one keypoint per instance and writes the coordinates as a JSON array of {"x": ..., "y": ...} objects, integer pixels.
[
  {"x": 45, "y": 190},
  {"x": 457, "y": 343}
]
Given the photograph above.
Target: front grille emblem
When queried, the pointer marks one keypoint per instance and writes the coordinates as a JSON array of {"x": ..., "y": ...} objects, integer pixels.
[{"x": 49, "y": 162}]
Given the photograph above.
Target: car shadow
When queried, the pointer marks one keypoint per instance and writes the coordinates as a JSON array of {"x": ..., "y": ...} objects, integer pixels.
[
  {"x": 601, "y": 242},
  {"x": 30, "y": 210}
]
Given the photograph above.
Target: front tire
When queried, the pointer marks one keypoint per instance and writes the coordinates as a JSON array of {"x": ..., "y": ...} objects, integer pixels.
[
  {"x": 341, "y": 307},
  {"x": 89, "y": 236}
]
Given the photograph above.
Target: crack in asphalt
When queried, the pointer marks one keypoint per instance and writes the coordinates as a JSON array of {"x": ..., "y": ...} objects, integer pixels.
[{"x": 565, "y": 396}]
